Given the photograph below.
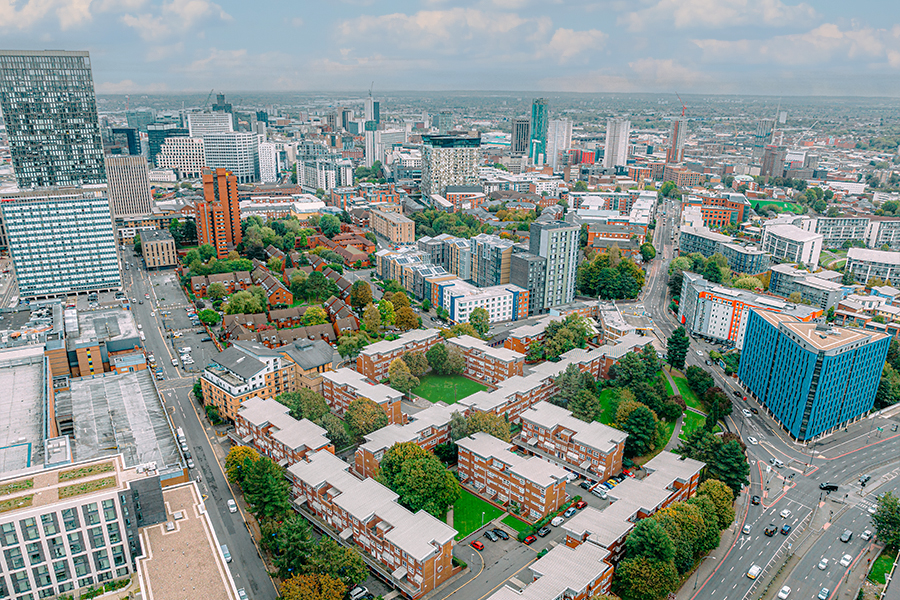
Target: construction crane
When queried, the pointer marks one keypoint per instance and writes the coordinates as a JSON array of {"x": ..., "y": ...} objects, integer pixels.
[
  {"x": 370, "y": 89},
  {"x": 683, "y": 107},
  {"x": 205, "y": 104}
]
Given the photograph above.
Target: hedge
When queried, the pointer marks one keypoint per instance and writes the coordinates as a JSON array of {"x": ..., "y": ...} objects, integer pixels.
[{"x": 534, "y": 528}]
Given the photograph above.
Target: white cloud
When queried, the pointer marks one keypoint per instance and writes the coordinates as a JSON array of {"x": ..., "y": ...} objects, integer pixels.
[
  {"x": 23, "y": 16},
  {"x": 718, "y": 13},
  {"x": 824, "y": 43},
  {"x": 645, "y": 75},
  {"x": 567, "y": 44},
  {"x": 297, "y": 22},
  {"x": 173, "y": 18},
  {"x": 127, "y": 86}
]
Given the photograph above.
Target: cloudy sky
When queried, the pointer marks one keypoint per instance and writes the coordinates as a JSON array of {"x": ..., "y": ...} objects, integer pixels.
[{"x": 778, "y": 47}]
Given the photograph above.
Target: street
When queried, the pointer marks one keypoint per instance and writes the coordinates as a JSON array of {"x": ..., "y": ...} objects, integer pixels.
[{"x": 247, "y": 567}]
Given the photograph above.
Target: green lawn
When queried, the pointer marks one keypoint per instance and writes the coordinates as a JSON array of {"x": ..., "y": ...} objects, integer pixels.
[
  {"x": 880, "y": 567},
  {"x": 607, "y": 417},
  {"x": 668, "y": 385},
  {"x": 515, "y": 523},
  {"x": 687, "y": 394},
  {"x": 446, "y": 388},
  {"x": 693, "y": 421},
  {"x": 467, "y": 514}
]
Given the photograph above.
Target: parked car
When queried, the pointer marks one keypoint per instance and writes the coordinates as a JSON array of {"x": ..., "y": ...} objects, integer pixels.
[
  {"x": 585, "y": 485},
  {"x": 477, "y": 545},
  {"x": 569, "y": 512},
  {"x": 358, "y": 592},
  {"x": 556, "y": 522},
  {"x": 543, "y": 531},
  {"x": 501, "y": 534},
  {"x": 232, "y": 506},
  {"x": 190, "y": 463},
  {"x": 491, "y": 535},
  {"x": 529, "y": 540},
  {"x": 242, "y": 594},
  {"x": 600, "y": 492},
  {"x": 580, "y": 504}
]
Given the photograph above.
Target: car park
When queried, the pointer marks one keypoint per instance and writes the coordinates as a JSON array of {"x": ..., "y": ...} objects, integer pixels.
[
  {"x": 784, "y": 592},
  {"x": 569, "y": 512},
  {"x": 556, "y": 522},
  {"x": 823, "y": 564},
  {"x": 501, "y": 534},
  {"x": 477, "y": 545},
  {"x": 785, "y": 513},
  {"x": 600, "y": 492},
  {"x": 846, "y": 560},
  {"x": 771, "y": 529},
  {"x": 580, "y": 504},
  {"x": 823, "y": 594},
  {"x": 491, "y": 535},
  {"x": 529, "y": 540},
  {"x": 358, "y": 592},
  {"x": 543, "y": 531},
  {"x": 846, "y": 536},
  {"x": 585, "y": 485}
]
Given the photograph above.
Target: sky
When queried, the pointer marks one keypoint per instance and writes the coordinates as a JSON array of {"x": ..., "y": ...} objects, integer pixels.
[{"x": 765, "y": 47}]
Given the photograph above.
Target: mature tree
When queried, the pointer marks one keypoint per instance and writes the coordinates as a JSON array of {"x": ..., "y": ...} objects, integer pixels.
[
  {"x": 710, "y": 536},
  {"x": 887, "y": 519},
  {"x": 458, "y": 330},
  {"x": 701, "y": 445},
  {"x": 386, "y": 309},
  {"x": 290, "y": 543},
  {"x": 649, "y": 540},
  {"x": 586, "y": 406},
  {"x": 330, "y": 225},
  {"x": 242, "y": 303},
  {"x": 748, "y": 283},
  {"x": 312, "y": 586},
  {"x": 722, "y": 498},
  {"x": 400, "y": 377},
  {"x": 399, "y": 300},
  {"x": 641, "y": 429},
  {"x": 730, "y": 466},
  {"x": 236, "y": 461},
  {"x": 480, "y": 320},
  {"x": 713, "y": 272},
  {"x": 372, "y": 318},
  {"x": 314, "y": 315},
  {"x": 406, "y": 318},
  {"x": 424, "y": 484},
  {"x": 437, "y": 358},
  {"x": 275, "y": 264},
  {"x": 684, "y": 525},
  {"x": 648, "y": 252},
  {"x": 677, "y": 348},
  {"x": 266, "y": 489},
  {"x": 417, "y": 363},
  {"x": 319, "y": 287},
  {"x": 339, "y": 562},
  {"x": 644, "y": 579},
  {"x": 569, "y": 383},
  {"x": 209, "y": 317},
  {"x": 456, "y": 362},
  {"x": 718, "y": 405},
  {"x": 350, "y": 344},
  {"x": 535, "y": 352},
  {"x": 630, "y": 371},
  {"x": 207, "y": 251},
  {"x": 395, "y": 457},
  {"x": 304, "y": 404},
  {"x": 364, "y": 416},
  {"x": 426, "y": 305},
  {"x": 216, "y": 291},
  {"x": 888, "y": 388},
  {"x": 698, "y": 380},
  {"x": 360, "y": 294},
  {"x": 459, "y": 426},
  {"x": 625, "y": 406},
  {"x": 298, "y": 284},
  {"x": 335, "y": 430},
  {"x": 495, "y": 425}
]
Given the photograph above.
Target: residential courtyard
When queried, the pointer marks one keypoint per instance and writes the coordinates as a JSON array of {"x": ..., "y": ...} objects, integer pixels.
[{"x": 446, "y": 388}]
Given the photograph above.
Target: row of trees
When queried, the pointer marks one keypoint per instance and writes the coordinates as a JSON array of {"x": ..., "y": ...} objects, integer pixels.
[
  {"x": 434, "y": 222},
  {"x": 362, "y": 416},
  {"x": 559, "y": 338},
  {"x": 314, "y": 287},
  {"x": 404, "y": 372},
  {"x": 663, "y": 548},
  {"x": 724, "y": 456},
  {"x": 889, "y": 386},
  {"x": 609, "y": 276}
]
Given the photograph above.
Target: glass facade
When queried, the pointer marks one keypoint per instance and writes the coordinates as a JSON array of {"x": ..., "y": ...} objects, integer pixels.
[{"x": 48, "y": 104}]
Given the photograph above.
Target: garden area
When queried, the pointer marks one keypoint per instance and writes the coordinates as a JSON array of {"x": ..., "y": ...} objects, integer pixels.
[
  {"x": 446, "y": 388},
  {"x": 881, "y": 567},
  {"x": 468, "y": 511}
]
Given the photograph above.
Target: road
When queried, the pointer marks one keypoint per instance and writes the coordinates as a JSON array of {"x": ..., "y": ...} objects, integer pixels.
[
  {"x": 841, "y": 459},
  {"x": 247, "y": 567}
]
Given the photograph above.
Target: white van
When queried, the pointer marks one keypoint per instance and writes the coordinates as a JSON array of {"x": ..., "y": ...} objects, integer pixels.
[
  {"x": 225, "y": 553},
  {"x": 777, "y": 463}
]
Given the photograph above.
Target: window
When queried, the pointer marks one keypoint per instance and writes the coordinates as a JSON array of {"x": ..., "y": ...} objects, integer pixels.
[
  {"x": 29, "y": 529},
  {"x": 20, "y": 582},
  {"x": 113, "y": 531},
  {"x": 35, "y": 553},
  {"x": 82, "y": 566},
  {"x": 76, "y": 544},
  {"x": 109, "y": 510},
  {"x": 70, "y": 519},
  {"x": 101, "y": 560},
  {"x": 8, "y": 534},
  {"x": 14, "y": 559},
  {"x": 51, "y": 525},
  {"x": 91, "y": 514},
  {"x": 42, "y": 576},
  {"x": 61, "y": 571}
]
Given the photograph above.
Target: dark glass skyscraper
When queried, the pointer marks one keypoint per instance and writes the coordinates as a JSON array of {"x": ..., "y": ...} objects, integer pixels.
[
  {"x": 48, "y": 103},
  {"x": 537, "y": 150}
]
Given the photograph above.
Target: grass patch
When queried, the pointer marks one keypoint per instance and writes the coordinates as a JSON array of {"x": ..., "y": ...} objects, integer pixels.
[
  {"x": 665, "y": 381},
  {"x": 881, "y": 567},
  {"x": 446, "y": 388},
  {"x": 86, "y": 488},
  {"x": 86, "y": 471},
  {"x": 16, "y": 486},
  {"x": 467, "y": 514},
  {"x": 607, "y": 417},
  {"x": 693, "y": 421},
  {"x": 687, "y": 394},
  {"x": 514, "y": 523},
  {"x": 14, "y": 503}
]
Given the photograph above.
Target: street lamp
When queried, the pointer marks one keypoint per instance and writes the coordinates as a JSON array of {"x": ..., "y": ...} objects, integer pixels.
[
  {"x": 698, "y": 569},
  {"x": 482, "y": 519}
]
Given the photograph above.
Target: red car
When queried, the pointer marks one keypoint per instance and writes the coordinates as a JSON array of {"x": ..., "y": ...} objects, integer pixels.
[
  {"x": 477, "y": 545},
  {"x": 529, "y": 540},
  {"x": 580, "y": 504}
]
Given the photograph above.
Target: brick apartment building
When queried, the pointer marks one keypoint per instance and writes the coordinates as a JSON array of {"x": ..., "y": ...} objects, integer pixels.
[
  {"x": 576, "y": 573},
  {"x": 373, "y": 360},
  {"x": 533, "y": 485},
  {"x": 415, "y": 549},
  {"x": 486, "y": 363},
  {"x": 218, "y": 215},
  {"x": 266, "y": 425},
  {"x": 343, "y": 386},
  {"x": 393, "y": 226},
  {"x": 428, "y": 428}
]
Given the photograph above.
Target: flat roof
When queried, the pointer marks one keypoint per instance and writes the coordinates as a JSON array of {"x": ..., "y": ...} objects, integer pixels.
[
  {"x": 289, "y": 431},
  {"x": 22, "y": 378},
  {"x": 117, "y": 413},
  {"x": 794, "y": 233},
  {"x": 878, "y": 256},
  {"x": 534, "y": 469},
  {"x": 823, "y": 338},
  {"x": 594, "y": 434},
  {"x": 100, "y": 325},
  {"x": 435, "y": 415},
  {"x": 188, "y": 556},
  {"x": 376, "y": 392},
  {"x": 560, "y": 570},
  {"x": 388, "y": 346}
]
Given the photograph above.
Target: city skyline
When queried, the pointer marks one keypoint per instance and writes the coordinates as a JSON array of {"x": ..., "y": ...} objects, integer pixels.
[{"x": 771, "y": 47}]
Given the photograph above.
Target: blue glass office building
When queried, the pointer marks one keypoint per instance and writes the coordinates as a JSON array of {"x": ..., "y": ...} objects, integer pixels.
[{"x": 811, "y": 377}]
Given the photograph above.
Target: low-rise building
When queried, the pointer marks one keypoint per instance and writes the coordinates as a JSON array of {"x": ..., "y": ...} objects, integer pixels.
[
  {"x": 486, "y": 363},
  {"x": 504, "y": 302},
  {"x": 158, "y": 249},
  {"x": 552, "y": 432},
  {"x": 786, "y": 281},
  {"x": 267, "y": 425},
  {"x": 792, "y": 244},
  {"x": 312, "y": 359},
  {"x": 530, "y": 487},
  {"x": 427, "y": 428},
  {"x": 373, "y": 360},
  {"x": 415, "y": 549},
  {"x": 343, "y": 386}
]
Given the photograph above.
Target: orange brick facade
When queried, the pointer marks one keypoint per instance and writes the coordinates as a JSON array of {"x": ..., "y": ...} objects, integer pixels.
[{"x": 218, "y": 216}]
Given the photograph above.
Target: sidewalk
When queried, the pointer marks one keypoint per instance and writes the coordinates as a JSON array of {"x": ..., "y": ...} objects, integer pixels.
[{"x": 856, "y": 577}]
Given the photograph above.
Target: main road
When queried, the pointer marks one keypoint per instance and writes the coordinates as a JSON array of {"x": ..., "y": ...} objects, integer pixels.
[{"x": 247, "y": 567}]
